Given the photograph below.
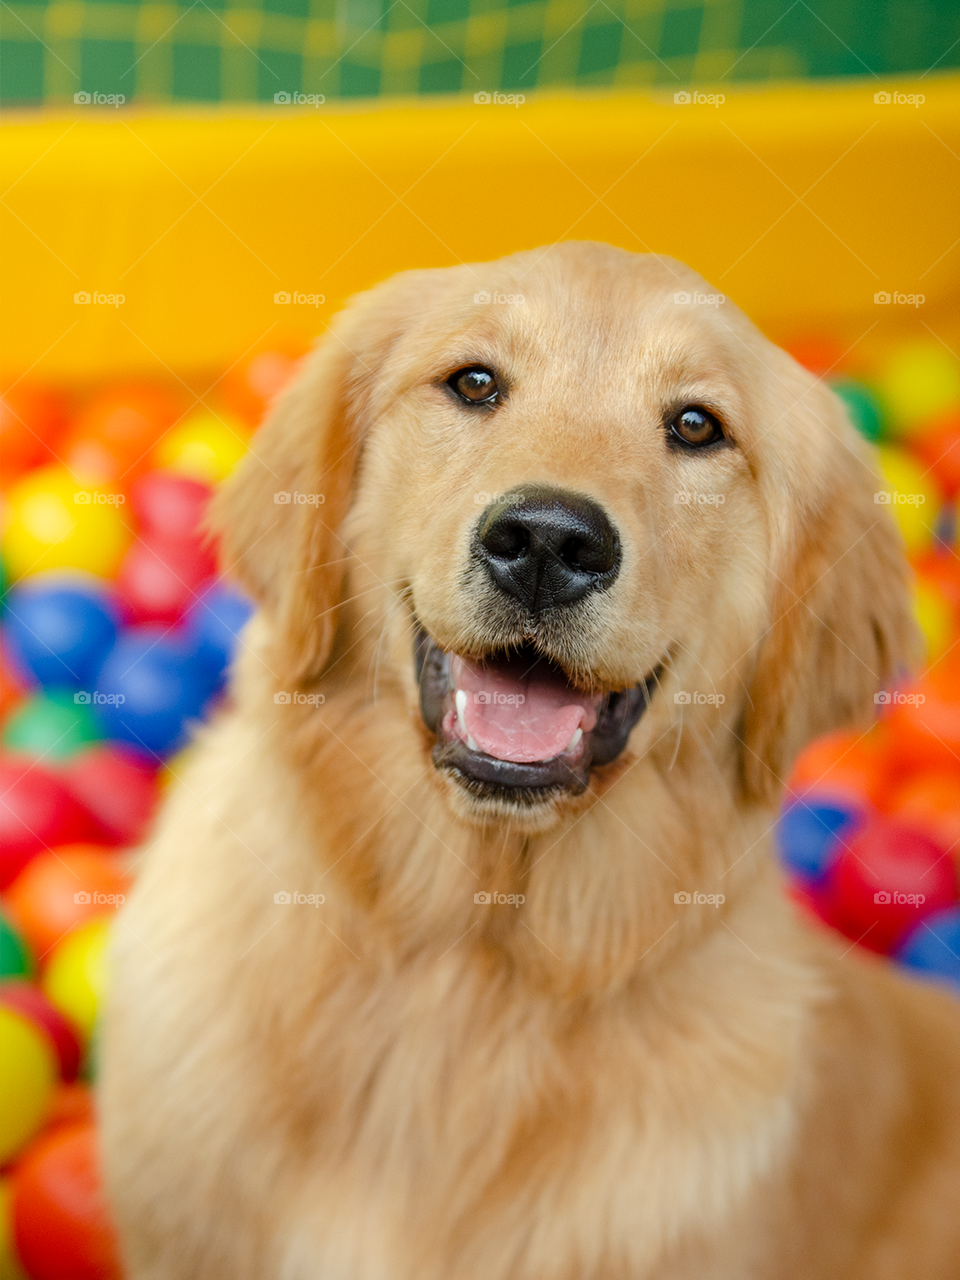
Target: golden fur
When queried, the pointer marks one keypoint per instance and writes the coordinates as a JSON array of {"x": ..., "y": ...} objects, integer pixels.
[{"x": 600, "y": 1084}]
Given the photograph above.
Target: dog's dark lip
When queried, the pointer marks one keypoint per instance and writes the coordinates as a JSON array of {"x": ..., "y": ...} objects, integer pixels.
[{"x": 488, "y": 777}]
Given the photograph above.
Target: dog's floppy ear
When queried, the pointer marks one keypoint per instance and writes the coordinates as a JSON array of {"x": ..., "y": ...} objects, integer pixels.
[
  {"x": 279, "y": 514},
  {"x": 841, "y": 624}
]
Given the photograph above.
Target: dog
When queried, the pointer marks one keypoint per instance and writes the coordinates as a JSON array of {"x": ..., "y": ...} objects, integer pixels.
[{"x": 460, "y": 951}]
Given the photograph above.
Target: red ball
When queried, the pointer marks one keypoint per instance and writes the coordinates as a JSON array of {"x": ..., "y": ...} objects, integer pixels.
[
  {"x": 888, "y": 876},
  {"x": 170, "y": 506},
  {"x": 30, "y": 1002},
  {"x": 119, "y": 790},
  {"x": 36, "y": 812},
  {"x": 160, "y": 578},
  {"x": 61, "y": 1224}
]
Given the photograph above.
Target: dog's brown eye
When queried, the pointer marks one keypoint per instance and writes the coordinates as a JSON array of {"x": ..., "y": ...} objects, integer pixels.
[
  {"x": 696, "y": 427},
  {"x": 476, "y": 385}
]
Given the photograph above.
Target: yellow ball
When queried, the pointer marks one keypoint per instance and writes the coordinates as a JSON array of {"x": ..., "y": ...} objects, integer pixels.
[
  {"x": 920, "y": 381},
  {"x": 205, "y": 446},
  {"x": 76, "y": 975},
  {"x": 935, "y": 616},
  {"x": 28, "y": 1074},
  {"x": 55, "y": 521},
  {"x": 910, "y": 496}
]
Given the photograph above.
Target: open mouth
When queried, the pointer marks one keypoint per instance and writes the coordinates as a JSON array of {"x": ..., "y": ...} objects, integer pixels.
[{"x": 515, "y": 723}]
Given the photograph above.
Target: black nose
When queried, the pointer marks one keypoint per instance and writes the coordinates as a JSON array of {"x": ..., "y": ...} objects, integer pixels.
[{"x": 547, "y": 547}]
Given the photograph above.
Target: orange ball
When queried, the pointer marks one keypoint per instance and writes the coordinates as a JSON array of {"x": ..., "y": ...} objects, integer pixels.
[
  {"x": 931, "y": 801},
  {"x": 941, "y": 569},
  {"x": 59, "y": 890},
  {"x": 31, "y": 418},
  {"x": 112, "y": 437},
  {"x": 926, "y": 730},
  {"x": 938, "y": 446},
  {"x": 846, "y": 764}
]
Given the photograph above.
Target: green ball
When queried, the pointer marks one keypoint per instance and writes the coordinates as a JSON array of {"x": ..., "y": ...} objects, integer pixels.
[
  {"x": 52, "y": 726},
  {"x": 14, "y": 957},
  {"x": 862, "y": 406}
]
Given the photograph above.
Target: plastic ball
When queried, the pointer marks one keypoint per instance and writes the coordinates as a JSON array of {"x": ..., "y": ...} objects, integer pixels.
[
  {"x": 36, "y": 812},
  {"x": 115, "y": 432},
  {"x": 76, "y": 973},
  {"x": 810, "y": 837},
  {"x": 61, "y": 1222},
  {"x": 931, "y": 802},
  {"x": 14, "y": 957},
  {"x": 117, "y": 786},
  {"x": 933, "y": 947},
  {"x": 58, "y": 891},
  {"x": 940, "y": 568},
  {"x": 917, "y": 382},
  {"x": 30, "y": 1003},
  {"x": 170, "y": 506},
  {"x": 12, "y": 683},
  {"x": 251, "y": 388},
  {"x": 30, "y": 418},
  {"x": 937, "y": 445},
  {"x": 935, "y": 617},
  {"x": 52, "y": 726},
  {"x": 862, "y": 406},
  {"x": 206, "y": 446},
  {"x": 56, "y": 521},
  {"x": 925, "y": 723},
  {"x": 911, "y": 497},
  {"x": 163, "y": 685},
  {"x": 215, "y": 621},
  {"x": 28, "y": 1073},
  {"x": 10, "y": 1268},
  {"x": 160, "y": 578},
  {"x": 888, "y": 876},
  {"x": 844, "y": 768},
  {"x": 60, "y": 631},
  {"x": 72, "y": 1104}
]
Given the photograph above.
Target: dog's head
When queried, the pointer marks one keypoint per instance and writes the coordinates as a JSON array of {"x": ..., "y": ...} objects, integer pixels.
[{"x": 582, "y": 506}]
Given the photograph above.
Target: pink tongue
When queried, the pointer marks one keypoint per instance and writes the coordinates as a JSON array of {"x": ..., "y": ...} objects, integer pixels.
[{"x": 515, "y": 713}]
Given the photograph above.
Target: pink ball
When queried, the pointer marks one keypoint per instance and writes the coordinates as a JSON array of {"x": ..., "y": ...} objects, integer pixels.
[
  {"x": 161, "y": 577},
  {"x": 170, "y": 506},
  {"x": 888, "y": 876}
]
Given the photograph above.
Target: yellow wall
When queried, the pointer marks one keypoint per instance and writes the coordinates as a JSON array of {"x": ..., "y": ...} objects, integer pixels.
[{"x": 799, "y": 203}]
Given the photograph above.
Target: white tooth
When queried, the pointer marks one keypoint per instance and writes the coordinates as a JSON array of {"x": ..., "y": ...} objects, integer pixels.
[
  {"x": 577, "y": 735},
  {"x": 471, "y": 743},
  {"x": 460, "y": 698}
]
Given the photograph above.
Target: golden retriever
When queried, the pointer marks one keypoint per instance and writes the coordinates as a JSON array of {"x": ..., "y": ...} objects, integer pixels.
[{"x": 461, "y": 952}]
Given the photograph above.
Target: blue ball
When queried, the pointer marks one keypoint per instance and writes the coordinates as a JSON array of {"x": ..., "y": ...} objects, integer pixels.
[
  {"x": 150, "y": 687},
  {"x": 60, "y": 632},
  {"x": 213, "y": 623},
  {"x": 810, "y": 838},
  {"x": 933, "y": 946}
]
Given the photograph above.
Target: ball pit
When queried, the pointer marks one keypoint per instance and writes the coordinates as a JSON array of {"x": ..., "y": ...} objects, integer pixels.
[{"x": 117, "y": 634}]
